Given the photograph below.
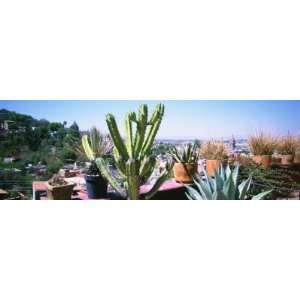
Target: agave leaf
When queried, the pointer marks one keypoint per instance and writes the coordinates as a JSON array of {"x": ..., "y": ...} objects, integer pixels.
[
  {"x": 218, "y": 182},
  {"x": 244, "y": 187},
  {"x": 189, "y": 197},
  {"x": 235, "y": 174},
  {"x": 228, "y": 171},
  {"x": 261, "y": 196},
  {"x": 219, "y": 195},
  {"x": 210, "y": 181},
  {"x": 194, "y": 194},
  {"x": 204, "y": 189},
  {"x": 229, "y": 188},
  {"x": 222, "y": 173}
]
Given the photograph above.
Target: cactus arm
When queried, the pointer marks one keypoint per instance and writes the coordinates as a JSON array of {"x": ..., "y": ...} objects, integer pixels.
[
  {"x": 116, "y": 137},
  {"x": 121, "y": 166},
  {"x": 163, "y": 177},
  {"x": 155, "y": 124},
  {"x": 132, "y": 180},
  {"x": 141, "y": 129},
  {"x": 87, "y": 148},
  {"x": 150, "y": 138},
  {"x": 102, "y": 166},
  {"x": 129, "y": 142},
  {"x": 148, "y": 163},
  {"x": 158, "y": 113}
]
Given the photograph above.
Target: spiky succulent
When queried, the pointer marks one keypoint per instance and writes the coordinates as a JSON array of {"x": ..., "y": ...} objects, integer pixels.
[
  {"x": 187, "y": 154},
  {"x": 223, "y": 186},
  {"x": 132, "y": 156},
  {"x": 95, "y": 144}
]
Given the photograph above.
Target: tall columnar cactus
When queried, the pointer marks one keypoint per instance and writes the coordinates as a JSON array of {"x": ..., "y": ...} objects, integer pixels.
[{"x": 133, "y": 155}]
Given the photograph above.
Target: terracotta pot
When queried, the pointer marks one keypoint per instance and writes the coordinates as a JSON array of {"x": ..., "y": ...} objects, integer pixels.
[
  {"x": 297, "y": 159},
  {"x": 212, "y": 166},
  {"x": 184, "y": 172},
  {"x": 63, "y": 192},
  {"x": 264, "y": 160},
  {"x": 287, "y": 159}
]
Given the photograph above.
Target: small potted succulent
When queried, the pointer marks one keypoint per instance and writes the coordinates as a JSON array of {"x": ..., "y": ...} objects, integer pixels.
[
  {"x": 185, "y": 162},
  {"x": 287, "y": 148},
  {"x": 95, "y": 145},
  {"x": 215, "y": 154},
  {"x": 59, "y": 189},
  {"x": 262, "y": 146}
]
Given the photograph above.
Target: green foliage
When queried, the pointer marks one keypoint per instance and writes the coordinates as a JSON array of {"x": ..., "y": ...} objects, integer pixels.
[
  {"x": 162, "y": 149},
  {"x": 133, "y": 156},
  {"x": 95, "y": 144},
  {"x": 187, "y": 154},
  {"x": 282, "y": 180},
  {"x": 223, "y": 186},
  {"x": 54, "y": 164},
  {"x": 15, "y": 182},
  {"x": 32, "y": 140}
]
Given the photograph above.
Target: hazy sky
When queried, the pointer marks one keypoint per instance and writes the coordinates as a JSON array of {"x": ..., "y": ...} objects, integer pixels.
[{"x": 183, "y": 119}]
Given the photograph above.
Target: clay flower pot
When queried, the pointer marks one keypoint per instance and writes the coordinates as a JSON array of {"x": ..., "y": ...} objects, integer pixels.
[
  {"x": 297, "y": 159},
  {"x": 63, "y": 192},
  {"x": 212, "y": 166},
  {"x": 184, "y": 172},
  {"x": 264, "y": 160},
  {"x": 287, "y": 159}
]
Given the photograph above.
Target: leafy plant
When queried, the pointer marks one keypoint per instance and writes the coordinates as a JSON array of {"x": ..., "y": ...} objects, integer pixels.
[
  {"x": 57, "y": 180},
  {"x": 283, "y": 181},
  {"x": 262, "y": 144},
  {"x": 223, "y": 186},
  {"x": 93, "y": 146},
  {"x": 187, "y": 154},
  {"x": 288, "y": 145},
  {"x": 214, "y": 150},
  {"x": 133, "y": 156}
]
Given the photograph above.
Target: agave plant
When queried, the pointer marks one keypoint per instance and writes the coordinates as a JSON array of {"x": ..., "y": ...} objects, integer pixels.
[
  {"x": 188, "y": 154},
  {"x": 223, "y": 186},
  {"x": 133, "y": 156}
]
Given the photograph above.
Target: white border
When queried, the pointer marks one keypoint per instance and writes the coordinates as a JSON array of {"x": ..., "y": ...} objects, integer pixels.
[{"x": 145, "y": 50}]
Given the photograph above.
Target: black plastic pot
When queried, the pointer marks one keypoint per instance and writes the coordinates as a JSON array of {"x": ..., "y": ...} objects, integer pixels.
[{"x": 96, "y": 186}]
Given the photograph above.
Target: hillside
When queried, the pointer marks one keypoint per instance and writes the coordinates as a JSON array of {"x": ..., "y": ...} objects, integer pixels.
[{"x": 34, "y": 140}]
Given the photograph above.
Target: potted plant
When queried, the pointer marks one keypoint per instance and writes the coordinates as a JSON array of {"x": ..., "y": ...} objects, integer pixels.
[
  {"x": 214, "y": 153},
  {"x": 59, "y": 189},
  {"x": 185, "y": 162},
  {"x": 262, "y": 147},
  {"x": 133, "y": 156},
  {"x": 95, "y": 145},
  {"x": 287, "y": 148}
]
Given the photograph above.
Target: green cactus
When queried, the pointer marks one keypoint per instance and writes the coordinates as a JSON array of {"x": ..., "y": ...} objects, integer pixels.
[{"x": 133, "y": 155}]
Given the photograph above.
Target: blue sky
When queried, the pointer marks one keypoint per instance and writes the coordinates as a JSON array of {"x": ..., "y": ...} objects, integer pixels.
[{"x": 183, "y": 119}]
